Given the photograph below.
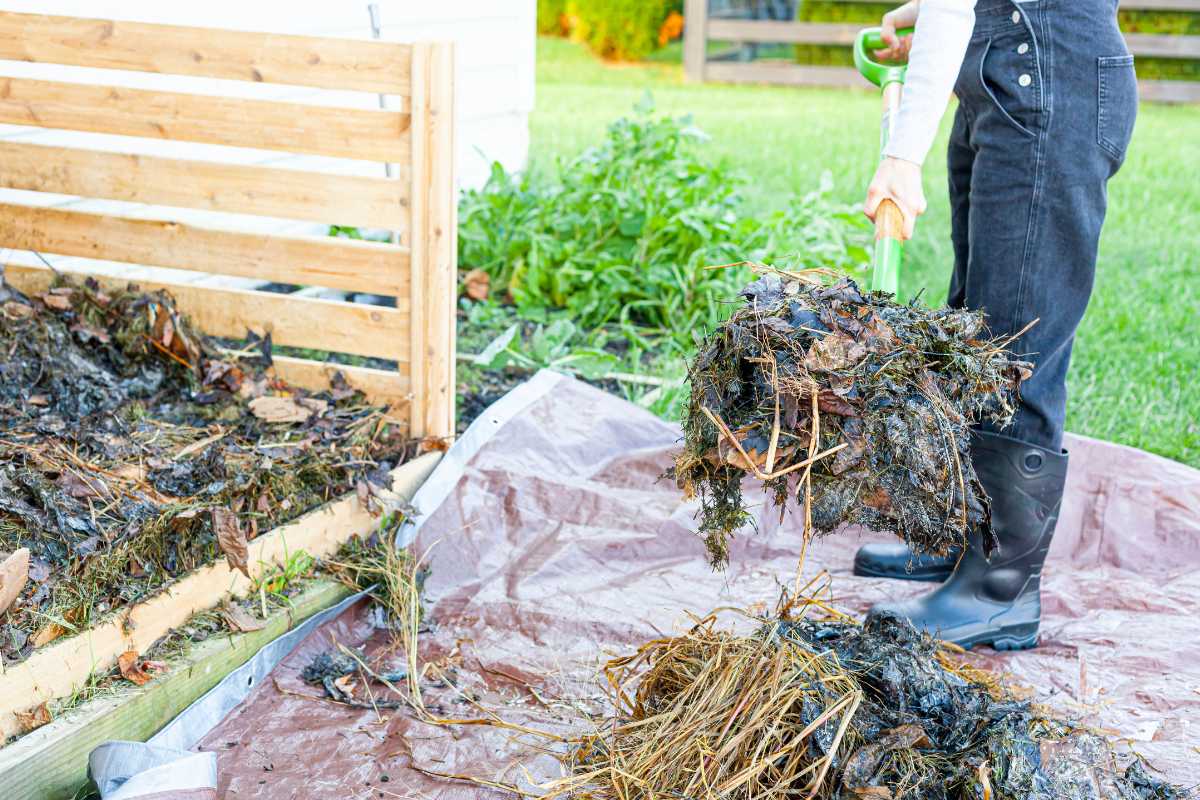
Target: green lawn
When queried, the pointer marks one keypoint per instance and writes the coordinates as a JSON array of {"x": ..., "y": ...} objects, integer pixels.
[{"x": 1137, "y": 357}]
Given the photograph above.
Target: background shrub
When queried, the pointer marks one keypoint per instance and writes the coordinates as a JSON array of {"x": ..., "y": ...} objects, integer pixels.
[
  {"x": 624, "y": 231},
  {"x": 621, "y": 30},
  {"x": 552, "y": 17}
]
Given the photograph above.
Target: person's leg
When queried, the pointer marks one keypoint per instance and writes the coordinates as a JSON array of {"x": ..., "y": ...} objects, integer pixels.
[
  {"x": 1050, "y": 80},
  {"x": 895, "y": 559},
  {"x": 960, "y": 161}
]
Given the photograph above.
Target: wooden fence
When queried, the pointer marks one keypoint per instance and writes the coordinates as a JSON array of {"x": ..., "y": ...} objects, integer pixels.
[
  {"x": 700, "y": 29},
  {"x": 417, "y": 334}
]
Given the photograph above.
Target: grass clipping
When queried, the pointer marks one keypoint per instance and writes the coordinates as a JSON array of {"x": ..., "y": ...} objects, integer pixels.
[{"x": 868, "y": 403}]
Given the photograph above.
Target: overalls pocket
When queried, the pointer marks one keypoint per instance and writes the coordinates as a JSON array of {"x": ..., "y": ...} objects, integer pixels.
[
  {"x": 1117, "y": 104},
  {"x": 1012, "y": 80}
]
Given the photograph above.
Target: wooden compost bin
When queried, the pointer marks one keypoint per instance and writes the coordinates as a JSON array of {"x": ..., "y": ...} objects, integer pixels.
[{"x": 415, "y": 136}]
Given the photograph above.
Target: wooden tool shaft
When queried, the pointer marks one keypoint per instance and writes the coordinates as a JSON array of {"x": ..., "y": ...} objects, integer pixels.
[{"x": 889, "y": 221}]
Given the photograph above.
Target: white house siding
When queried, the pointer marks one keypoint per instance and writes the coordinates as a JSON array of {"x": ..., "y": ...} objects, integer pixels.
[{"x": 495, "y": 42}]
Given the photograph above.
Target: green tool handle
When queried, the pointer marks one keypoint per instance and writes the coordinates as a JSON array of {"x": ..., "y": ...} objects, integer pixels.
[
  {"x": 889, "y": 220},
  {"x": 867, "y": 42}
]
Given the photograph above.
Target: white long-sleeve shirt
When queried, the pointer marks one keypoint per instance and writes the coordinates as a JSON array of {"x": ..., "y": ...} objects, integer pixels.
[{"x": 939, "y": 44}]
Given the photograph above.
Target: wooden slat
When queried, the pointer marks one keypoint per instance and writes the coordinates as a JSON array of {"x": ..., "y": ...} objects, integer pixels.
[
  {"x": 59, "y": 668},
  {"x": 1170, "y": 91},
  {"x": 771, "y": 31},
  {"x": 434, "y": 241},
  {"x": 52, "y": 761},
  {"x": 209, "y": 185},
  {"x": 695, "y": 39},
  {"x": 291, "y": 127},
  {"x": 298, "y": 322},
  {"x": 381, "y": 386},
  {"x": 1148, "y": 44},
  {"x": 315, "y": 261},
  {"x": 785, "y": 74},
  {"x": 207, "y": 52},
  {"x": 1151, "y": 5}
]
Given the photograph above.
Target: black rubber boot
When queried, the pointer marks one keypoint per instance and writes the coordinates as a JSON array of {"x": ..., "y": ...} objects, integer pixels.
[
  {"x": 895, "y": 560},
  {"x": 998, "y": 602}
]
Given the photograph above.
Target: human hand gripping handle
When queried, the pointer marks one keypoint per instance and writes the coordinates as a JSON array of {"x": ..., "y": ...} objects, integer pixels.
[{"x": 895, "y": 198}]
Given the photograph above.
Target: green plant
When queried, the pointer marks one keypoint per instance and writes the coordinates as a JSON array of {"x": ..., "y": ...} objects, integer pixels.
[
  {"x": 627, "y": 232},
  {"x": 278, "y": 580},
  {"x": 558, "y": 345}
]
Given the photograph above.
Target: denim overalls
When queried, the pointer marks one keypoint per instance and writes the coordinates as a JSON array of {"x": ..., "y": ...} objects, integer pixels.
[{"x": 1047, "y": 101}]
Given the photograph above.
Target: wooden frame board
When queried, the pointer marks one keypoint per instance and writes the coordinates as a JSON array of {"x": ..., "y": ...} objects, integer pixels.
[
  {"x": 414, "y": 137},
  {"x": 60, "y": 668},
  {"x": 51, "y": 762}
]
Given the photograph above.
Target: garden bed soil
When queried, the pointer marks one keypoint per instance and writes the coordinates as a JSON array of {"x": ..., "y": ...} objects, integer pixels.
[{"x": 134, "y": 449}]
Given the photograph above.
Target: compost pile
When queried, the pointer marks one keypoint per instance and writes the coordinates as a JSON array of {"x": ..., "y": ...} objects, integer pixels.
[
  {"x": 805, "y": 708},
  {"x": 872, "y": 399},
  {"x": 134, "y": 449}
]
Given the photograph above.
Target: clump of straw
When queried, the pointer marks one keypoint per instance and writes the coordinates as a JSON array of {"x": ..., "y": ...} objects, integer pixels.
[{"x": 821, "y": 707}]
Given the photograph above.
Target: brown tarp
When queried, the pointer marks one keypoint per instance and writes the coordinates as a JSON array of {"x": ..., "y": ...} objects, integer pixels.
[{"x": 555, "y": 546}]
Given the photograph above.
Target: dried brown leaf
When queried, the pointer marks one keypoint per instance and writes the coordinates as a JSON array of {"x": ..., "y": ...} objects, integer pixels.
[
  {"x": 279, "y": 409},
  {"x": 131, "y": 668},
  {"x": 59, "y": 302},
  {"x": 15, "y": 310},
  {"x": 477, "y": 284},
  {"x": 434, "y": 444},
  {"x": 346, "y": 685},
  {"x": 34, "y": 718},
  {"x": 314, "y": 404},
  {"x": 834, "y": 352},
  {"x": 231, "y": 538},
  {"x": 80, "y": 488},
  {"x": 130, "y": 472},
  {"x": 47, "y": 634}
]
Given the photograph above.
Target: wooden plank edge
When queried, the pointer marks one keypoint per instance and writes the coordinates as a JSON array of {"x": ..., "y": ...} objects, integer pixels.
[
  {"x": 434, "y": 236},
  {"x": 290, "y": 59},
  {"x": 328, "y": 261},
  {"x": 331, "y": 325},
  {"x": 52, "y": 761},
  {"x": 337, "y": 131},
  {"x": 1163, "y": 45},
  {"x": 1169, "y": 91},
  {"x": 785, "y": 74},
  {"x": 266, "y": 191},
  {"x": 779, "y": 32},
  {"x": 58, "y": 669},
  {"x": 380, "y": 386}
]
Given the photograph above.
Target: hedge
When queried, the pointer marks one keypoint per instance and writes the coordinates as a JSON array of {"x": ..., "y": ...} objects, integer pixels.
[
  {"x": 1131, "y": 21},
  {"x": 620, "y": 30}
]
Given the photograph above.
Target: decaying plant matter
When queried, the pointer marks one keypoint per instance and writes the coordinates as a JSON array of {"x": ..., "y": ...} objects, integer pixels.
[
  {"x": 134, "y": 449},
  {"x": 827, "y": 708},
  {"x": 872, "y": 399}
]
